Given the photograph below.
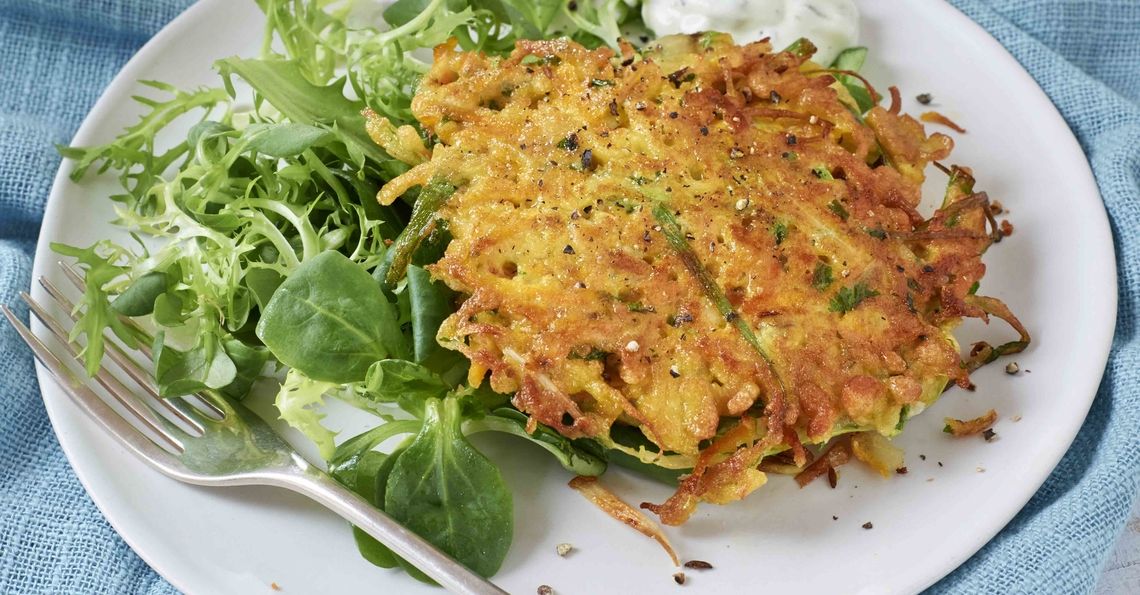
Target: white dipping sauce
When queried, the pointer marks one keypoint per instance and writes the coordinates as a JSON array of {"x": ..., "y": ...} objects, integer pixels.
[{"x": 832, "y": 25}]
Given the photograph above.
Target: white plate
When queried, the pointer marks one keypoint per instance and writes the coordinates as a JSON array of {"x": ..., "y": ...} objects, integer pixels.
[{"x": 1057, "y": 272}]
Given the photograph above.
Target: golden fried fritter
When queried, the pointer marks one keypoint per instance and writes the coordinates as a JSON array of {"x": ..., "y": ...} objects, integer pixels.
[{"x": 800, "y": 296}]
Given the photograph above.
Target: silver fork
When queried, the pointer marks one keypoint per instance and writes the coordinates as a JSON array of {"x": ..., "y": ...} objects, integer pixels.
[{"x": 219, "y": 442}]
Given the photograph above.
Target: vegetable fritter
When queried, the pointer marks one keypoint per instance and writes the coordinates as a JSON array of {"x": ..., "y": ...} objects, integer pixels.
[{"x": 702, "y": 241}]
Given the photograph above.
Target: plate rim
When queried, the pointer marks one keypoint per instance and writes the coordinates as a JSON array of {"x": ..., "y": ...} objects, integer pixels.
[
  {"x": 126, "y": 78},
  {"x": 1047, "y": 109}
]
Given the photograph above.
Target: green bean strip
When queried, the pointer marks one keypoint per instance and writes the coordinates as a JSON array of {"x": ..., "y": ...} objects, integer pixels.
[
  {"x": 802, "y": 47},
  {"x": 433, "y": 196},
  {"x": 680, "y": 245}
]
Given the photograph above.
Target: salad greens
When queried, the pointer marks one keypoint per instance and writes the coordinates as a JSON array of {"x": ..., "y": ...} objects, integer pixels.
[
  {"x": 851, "y": 60},
  {"x": 441, "y": 488},
  {"x": 261, "y": 251},
  {"x": 330, "y": 321},
  {"x": 265, "y": 248}
]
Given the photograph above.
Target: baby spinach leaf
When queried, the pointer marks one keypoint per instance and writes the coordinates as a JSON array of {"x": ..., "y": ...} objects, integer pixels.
[
  {"x": 657, "y": 473},
  {"x": 330, "y": 321},
  {"x": 205, "y": 365},
  {"x": 389, "y": 379},
  {"x": 848, "y": 298},
  {"x": 633, "y": 438},
  {"x": 430, "y": 303},
  {"x": 168, "y": 309},
  {"x": 450, "y": 494},
  {"x": 283, "y": 140},
  {"x": 581, "y": 457},
  {"x": 477, "y": 401},
  {"x": 371, "y": 479},
  {"x": 402, "y": 11},
  {"x": 530, "y": 19},
  {"x": 262, "y": 283},
  {"x": 403, "y": 382},
  {"x": 345, "y": 463},
  {"x": 248, "y": 363},
  {"x": 138, "y": 299},
  {"x": 543, "y": 11},
  {"x": 365, "y": 471}
]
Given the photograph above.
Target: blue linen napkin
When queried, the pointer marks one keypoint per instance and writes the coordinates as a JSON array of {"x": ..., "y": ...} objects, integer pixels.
[{"x": 57, "y": 56}]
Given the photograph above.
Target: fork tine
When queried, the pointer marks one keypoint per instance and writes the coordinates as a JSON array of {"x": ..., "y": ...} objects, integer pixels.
[
  {"x": 199, "y": 402},
  {"x": 91, "y": 404},
  {"x": 114, "y": 386},
  {"x": 126, "y": 363},
  {"x": 77, "y": 280}
]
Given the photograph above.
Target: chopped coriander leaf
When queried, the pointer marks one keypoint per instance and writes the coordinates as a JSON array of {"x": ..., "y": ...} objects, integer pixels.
[
  {"x": 593, "y": 355},
  {"x": 531, "y": 59},
  {"x": 821, "y": 279},
  {"x": 836, "y": 207},
  {"x": 780, "y": 231},
  {"x": 570, "y": 143},
  {"x": 640, "y": 307},
  {"x": 848, "y": 298}
]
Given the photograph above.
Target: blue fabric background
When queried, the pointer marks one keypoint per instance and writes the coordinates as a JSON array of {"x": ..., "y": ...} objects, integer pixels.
[{"x": 57, "y": 56}]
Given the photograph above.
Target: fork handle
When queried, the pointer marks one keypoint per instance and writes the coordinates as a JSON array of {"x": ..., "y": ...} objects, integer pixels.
[{"x": 419, "y": 552}]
